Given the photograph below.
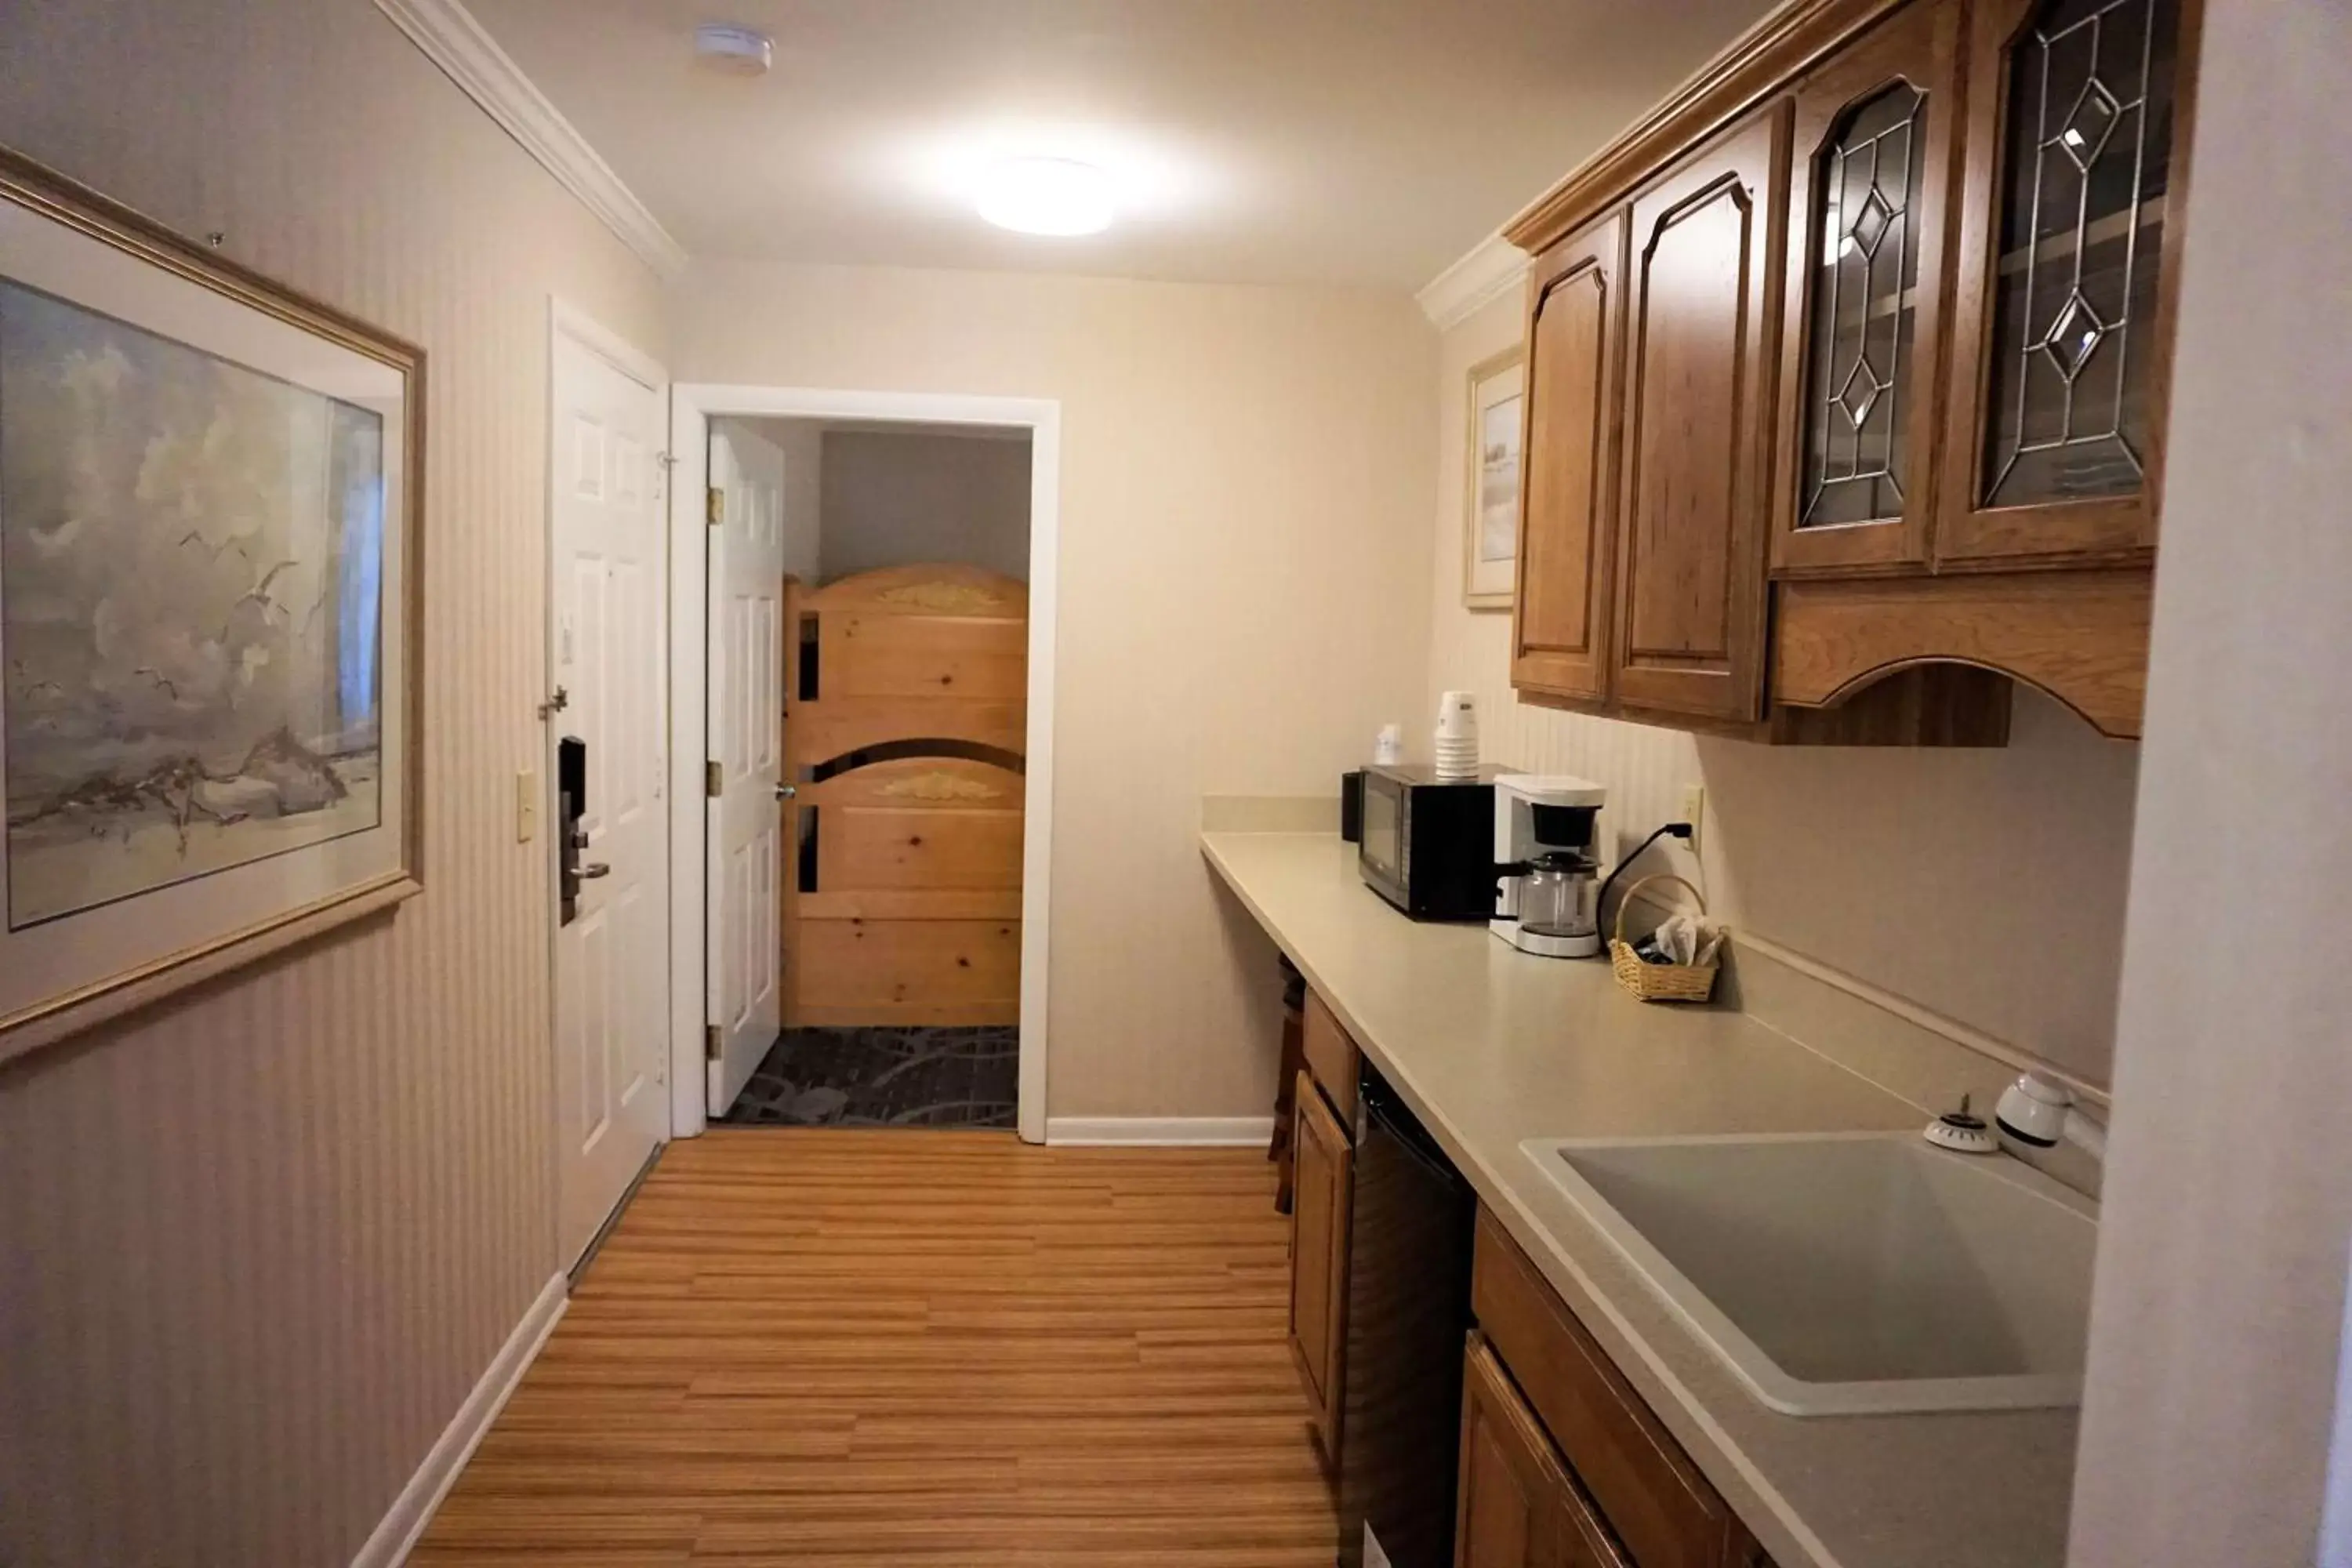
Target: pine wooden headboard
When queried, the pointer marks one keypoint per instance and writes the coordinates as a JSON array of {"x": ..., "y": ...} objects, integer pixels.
[{"x": 906, "y": 717}]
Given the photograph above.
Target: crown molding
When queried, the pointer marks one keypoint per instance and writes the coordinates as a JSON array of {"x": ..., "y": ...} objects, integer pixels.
[
  {"x": 486, "y": 73},
  {"x": 1493, "y": 266}
]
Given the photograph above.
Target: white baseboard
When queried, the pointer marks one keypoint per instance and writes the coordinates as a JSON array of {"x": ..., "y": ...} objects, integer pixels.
[
  {"x": 1161, "y": 1132},
  {"x": 413, "y": 1510}
]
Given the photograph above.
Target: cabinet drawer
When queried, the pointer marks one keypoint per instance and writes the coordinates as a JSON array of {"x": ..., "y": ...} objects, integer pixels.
[
  {"x": 1653, "y": 1496},
  {"x": 1331, "y": 1057}
]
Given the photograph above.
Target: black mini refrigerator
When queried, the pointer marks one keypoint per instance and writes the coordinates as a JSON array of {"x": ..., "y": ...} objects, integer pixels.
[{"x": 1409, "y": 1234}]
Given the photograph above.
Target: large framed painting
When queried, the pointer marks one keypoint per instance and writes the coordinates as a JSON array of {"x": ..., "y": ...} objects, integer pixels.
[
  {"x": 1490, "y": 524},
  {"x": 208, "y": 616}
]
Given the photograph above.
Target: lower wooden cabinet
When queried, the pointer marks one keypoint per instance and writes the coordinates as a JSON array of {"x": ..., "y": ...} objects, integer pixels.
[
  {"x": 1640, "y": 1492},
  {"x": 1324, "y": 1167},
  {"x": 1517, "y": 1506}
]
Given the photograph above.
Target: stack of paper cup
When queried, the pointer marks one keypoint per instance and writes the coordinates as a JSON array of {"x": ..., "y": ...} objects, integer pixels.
[{"x": 1457, "y": 736}]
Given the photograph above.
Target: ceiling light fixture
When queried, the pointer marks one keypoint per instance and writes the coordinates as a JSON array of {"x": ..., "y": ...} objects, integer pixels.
[
  {"x": 1058, "y": 196},
  {"x": 737, "y": 50}
]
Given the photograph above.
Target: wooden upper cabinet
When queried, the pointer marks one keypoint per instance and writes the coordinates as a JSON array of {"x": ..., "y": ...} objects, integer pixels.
[
  {"x": 1861, "y": 369},
  {"x": 2069, "y": 244},
  {"x": 1887, "y": 361},
  {"x": 1562, "y": 614},
  {"x": 1699, "y": 368}
]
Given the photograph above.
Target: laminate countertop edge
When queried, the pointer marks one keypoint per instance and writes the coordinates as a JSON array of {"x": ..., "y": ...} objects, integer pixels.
[{"x": 1987, "y": 1489}]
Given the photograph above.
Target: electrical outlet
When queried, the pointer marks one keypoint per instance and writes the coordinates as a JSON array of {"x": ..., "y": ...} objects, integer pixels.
[
  {"x": 526, "y": 806},
  {"x": 1694, "y": 812}
]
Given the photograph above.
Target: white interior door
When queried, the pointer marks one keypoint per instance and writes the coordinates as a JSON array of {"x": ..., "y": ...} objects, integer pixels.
[
  {"x": 609, "y": 626},
  {"x": 746, "y": 697}
]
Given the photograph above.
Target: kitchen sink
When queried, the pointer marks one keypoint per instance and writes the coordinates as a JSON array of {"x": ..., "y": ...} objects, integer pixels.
[{"x": 1850, "y": 1274}]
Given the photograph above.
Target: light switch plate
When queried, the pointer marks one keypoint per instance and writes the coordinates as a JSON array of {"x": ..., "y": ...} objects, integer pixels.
[{"x": 526, "y": 806}]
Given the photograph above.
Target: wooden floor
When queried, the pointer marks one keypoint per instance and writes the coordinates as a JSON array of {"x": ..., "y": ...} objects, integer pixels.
[{"x": 921, "y": 1348}]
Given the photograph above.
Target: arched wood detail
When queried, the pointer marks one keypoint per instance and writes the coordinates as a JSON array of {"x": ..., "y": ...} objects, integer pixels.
[
  {"x": 927, "y": 783},
  {"x": 2079, "y": 637},
  {"x": 832, "y": 730}
]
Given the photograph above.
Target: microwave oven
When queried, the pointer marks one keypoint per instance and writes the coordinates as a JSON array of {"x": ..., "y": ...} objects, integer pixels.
[{"x": 1428, "y": 846}]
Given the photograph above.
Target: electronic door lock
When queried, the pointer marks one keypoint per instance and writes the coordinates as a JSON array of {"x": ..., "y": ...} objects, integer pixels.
[{"x": 571, "y": 838}]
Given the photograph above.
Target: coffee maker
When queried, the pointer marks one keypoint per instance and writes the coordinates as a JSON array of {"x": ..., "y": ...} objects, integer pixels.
[{"x": 1546, "y": 855}]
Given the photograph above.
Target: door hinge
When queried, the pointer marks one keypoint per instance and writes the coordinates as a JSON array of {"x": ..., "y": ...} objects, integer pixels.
[
  {"x": 710, "y": 1042},
  {"x": 714, "y": 506},
  {"x": 714, "y": 780}
]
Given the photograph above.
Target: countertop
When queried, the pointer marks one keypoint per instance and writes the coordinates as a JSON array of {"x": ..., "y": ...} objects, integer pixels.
[{"x": 1491, "y": 1047}]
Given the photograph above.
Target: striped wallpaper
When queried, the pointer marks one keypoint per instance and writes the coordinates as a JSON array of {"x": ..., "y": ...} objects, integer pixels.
[{"x": 256, "y": 1245}]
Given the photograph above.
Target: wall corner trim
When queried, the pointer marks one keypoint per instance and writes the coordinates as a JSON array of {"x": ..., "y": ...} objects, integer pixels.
[
  {"x": 1161, "y": 1132},
  {"x": 1492, "y": 267},
  {"x": 452, "y": 40},
  {"x": 413, "y": 1510}
]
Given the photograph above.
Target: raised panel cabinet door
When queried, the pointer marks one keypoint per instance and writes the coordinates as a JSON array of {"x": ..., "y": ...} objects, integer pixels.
[
  {"x": 1575, "y": 316},
  {"x": 1691, "y": 602},
  {"x": 1861, "y": 365},
  {"x": 1516, "y": 1506},
  {"x": 2070, "y": 250},
  {"x": 1319, "y": 1257}
]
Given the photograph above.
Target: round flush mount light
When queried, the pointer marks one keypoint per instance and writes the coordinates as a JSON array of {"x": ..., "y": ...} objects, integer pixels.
[
  {"x": 737, "y": 50},
  {"x": 1058, "y": 196}
]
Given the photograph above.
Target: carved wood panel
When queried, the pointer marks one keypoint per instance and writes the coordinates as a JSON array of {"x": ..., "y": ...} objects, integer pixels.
[
  {"x": 1691, "y": 619},
  {"x": 1567, "y": 531}
]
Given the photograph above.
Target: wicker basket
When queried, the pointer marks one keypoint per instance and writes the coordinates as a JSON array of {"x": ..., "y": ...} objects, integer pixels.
[{"x": 1658, "y": 982}]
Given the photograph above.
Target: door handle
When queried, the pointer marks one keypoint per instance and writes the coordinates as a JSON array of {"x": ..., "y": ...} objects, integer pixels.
[
  {"x": 788, "y": 792},
  {"x": 594, "y": 869}
]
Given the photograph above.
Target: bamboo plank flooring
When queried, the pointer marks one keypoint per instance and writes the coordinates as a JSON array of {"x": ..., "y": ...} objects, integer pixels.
[{"x": 862, "y": 1349}]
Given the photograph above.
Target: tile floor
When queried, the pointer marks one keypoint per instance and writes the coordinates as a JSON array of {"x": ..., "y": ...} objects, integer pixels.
[{"x": 959, "y": 1077}]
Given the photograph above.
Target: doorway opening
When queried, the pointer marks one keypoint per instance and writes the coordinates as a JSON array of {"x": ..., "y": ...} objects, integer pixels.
[
  {"x": 905, "y": 556},
  {"x": 871, "y": 667}
]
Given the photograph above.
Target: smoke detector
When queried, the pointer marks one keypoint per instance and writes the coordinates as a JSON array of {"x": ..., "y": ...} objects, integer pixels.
[{"x": 734, "y": 49}]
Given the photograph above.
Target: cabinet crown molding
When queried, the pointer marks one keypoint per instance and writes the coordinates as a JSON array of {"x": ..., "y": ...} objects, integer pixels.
[
  {"x": 1749, "y": 68},
  {"x": 1491, "y": 268}
]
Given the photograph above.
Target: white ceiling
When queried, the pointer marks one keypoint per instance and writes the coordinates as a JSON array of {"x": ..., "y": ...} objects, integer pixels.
[{"x": 1256, "y": 140}]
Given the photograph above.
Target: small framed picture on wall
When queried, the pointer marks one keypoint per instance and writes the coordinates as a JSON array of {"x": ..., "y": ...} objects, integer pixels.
[{"x": 1490, "y": 524}]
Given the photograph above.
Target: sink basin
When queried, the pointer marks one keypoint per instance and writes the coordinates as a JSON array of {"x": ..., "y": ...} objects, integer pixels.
[{"x": 1847, "y": 1274}]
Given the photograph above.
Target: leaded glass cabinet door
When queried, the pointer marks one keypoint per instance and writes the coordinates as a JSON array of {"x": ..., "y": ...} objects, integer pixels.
[
  {"x": 2077, "y": 142},
  {"x": 1861, "y": 372}
]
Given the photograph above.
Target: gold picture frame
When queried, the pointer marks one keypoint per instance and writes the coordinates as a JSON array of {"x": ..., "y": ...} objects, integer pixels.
[
  {"x": 1493, "y": 461},
  {"x": 211, "y": 631}
]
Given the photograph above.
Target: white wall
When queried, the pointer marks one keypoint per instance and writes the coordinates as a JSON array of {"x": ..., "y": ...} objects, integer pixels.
[
  {"x": 256, "y": 1245},
  {"x": 2229, "y": 1197},
  {"x": 1985, "y": 886},
  {"x": 1245, "y": 529},
  {"x": 895, "y": 498}
]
